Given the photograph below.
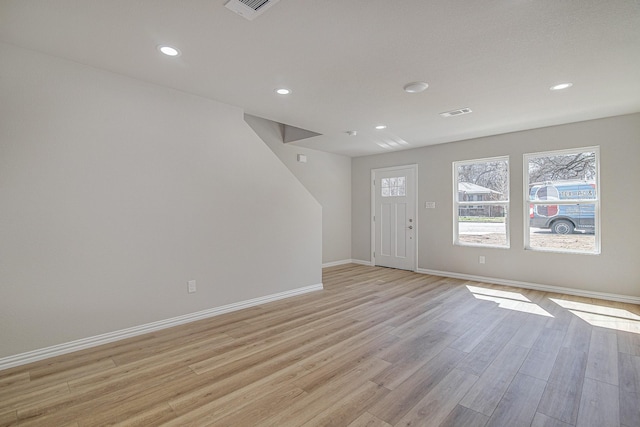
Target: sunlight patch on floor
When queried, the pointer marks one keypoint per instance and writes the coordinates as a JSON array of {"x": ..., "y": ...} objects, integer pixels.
[
  {"x": 603, "y": 316},
  {"x": 508, "y": 300},
  {"x": 497, "y": 293}
]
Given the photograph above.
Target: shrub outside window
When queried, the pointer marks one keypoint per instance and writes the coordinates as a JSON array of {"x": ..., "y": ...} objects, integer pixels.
[
  {"x": 481, "y": 202},
  {"x": 562, "y": 201}
]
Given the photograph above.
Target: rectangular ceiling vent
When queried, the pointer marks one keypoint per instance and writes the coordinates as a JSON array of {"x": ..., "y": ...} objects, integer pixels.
[
  {"x": 250, "y": 9},
  {"x": 456, "y": 112}
]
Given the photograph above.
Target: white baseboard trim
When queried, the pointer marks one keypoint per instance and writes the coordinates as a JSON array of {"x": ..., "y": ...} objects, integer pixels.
[
  {"x": 346, "y": 261},
  {"x": 81, "y": 344},
  {"x": 357, "y": 261},
  {"x": 336, "y": 263},
  {"x": 535, "y": 286}
]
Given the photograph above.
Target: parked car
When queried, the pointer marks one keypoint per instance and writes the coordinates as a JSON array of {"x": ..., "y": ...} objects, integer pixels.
[{"x": 563, "y": 218}]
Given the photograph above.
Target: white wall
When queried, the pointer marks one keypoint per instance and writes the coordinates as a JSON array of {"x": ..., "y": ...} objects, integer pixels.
[
  {"x": 114, "y": 193},
  {"x": 327, "y": 176},
  {"x": 616, "y": 270}
]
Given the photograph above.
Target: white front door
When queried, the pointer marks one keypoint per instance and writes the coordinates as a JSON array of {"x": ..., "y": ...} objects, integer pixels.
[{"x": 394, "y": 221}]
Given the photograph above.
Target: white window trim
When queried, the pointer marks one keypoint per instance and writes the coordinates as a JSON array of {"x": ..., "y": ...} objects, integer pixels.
[
  {"x": 528, "y": 202},
  {"x": 457, "y": 204}
]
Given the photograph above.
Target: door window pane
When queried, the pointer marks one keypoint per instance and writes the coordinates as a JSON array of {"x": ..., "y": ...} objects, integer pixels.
[{"x": 390, "y": 187}]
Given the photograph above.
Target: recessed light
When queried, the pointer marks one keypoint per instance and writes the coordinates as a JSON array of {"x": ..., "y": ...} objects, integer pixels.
[
  {"x": 415, "y": 87},
  {"x": 380, "y": 127},
  {"x": 283, "y": 91},
  {"x": 561, "y": 86},
  {"x": 169, "y": 50}
]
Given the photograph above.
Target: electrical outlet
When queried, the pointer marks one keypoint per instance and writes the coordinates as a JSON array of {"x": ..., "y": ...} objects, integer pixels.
[
  {"x": 481, "y": 259},
  {"x": 191, "y": 286}
]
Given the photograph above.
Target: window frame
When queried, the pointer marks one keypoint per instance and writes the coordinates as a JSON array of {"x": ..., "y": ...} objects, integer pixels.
[
  {"x": 527, "y": 202},
  {"x": 457, "y": 204}
]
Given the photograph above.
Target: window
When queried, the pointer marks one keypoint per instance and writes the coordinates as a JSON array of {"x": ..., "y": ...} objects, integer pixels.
[
  {"x": 393, "y": 187},
  {"x": 562, "y": 201},
  {"x": 481, "y": 202}
]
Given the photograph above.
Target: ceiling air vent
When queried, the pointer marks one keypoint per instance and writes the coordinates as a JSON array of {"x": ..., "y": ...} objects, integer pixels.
[
  {"x": 250, "y": 9},
  {"x": 456, "y": 112}
]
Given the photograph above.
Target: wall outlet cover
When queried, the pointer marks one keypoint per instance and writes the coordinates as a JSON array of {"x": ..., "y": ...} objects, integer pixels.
[{"x": 191, "y": 286}]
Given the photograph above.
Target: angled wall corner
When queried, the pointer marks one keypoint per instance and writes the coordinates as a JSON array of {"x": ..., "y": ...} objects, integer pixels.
[{"x": 326, "y": 176}]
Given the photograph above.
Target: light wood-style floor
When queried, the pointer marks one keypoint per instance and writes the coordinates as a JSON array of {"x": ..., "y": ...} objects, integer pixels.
[{"x": 377, "y": 347}]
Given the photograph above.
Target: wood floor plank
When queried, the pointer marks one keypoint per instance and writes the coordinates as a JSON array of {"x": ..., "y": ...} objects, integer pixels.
[
  {"x": 378, "y": 347},
  {"x": 134, "y": 397},
  {"x": 599, "y": 405},
  {"x": 409, "y": 355},
  {"x": 487, "y": 392},
  {"x": 465, "y": 417},
  {"x": 151, "y": 417},
  {"x": 15, "y": 380},
  {"x": 485, "y": 353},
  {"x": 402, "y": 399},
  {"x": 481, "y": 330},
  {"x": 542, "y": 420},
  {"x": 519, "y": 403},
  {"x": 629, "y": 409},
  {"x": 368, "y": 420},
  {"x": 629, "y": 343},
  {"x": 378, "y": 336},
  {"x": 148, "y": 367},
  {"x": 602, "y": 363},
  {"x": 384, "y": 309},
  {"x": 265, "y": 405},
  {"x": 436, "y": 406},
  {"x": 578, "y": 337},
  {"x": 212, "y": 338},
  {"x": 350, "y": 407},
  {"x": 531, "y": 327},
  {"x": 629, "y": 374},
  {"x": 8, "y": 418},
  {"x": 542, "y": 356},
  {"x": 270, "y": 348},
  {"x": 16, "y": 401},
  {"x": 217, "y": 400},
  {"x": 345, "y": 363},
  {"x": 436, "y": 304},
  {"x": 327, "y": 395},
  {"x": 561, "y": 398}
]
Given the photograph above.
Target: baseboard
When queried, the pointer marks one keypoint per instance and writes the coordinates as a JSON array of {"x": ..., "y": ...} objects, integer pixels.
[
  {"x": 535, "y": 286},
  {"x": 357, "y": 261},
  {"x": 81, "y": 344},
  {"x": 336, "y": 263},
  {"x": 346, "y": 261}
]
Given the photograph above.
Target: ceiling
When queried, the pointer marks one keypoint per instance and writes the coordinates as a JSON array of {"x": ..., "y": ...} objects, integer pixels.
[{"x": 346, "y": 61}]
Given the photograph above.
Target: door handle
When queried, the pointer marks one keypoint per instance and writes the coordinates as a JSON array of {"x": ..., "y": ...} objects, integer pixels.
[{"x": 410, "y": 227}]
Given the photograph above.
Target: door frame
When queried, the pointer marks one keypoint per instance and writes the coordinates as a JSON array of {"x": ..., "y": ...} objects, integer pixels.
[{"x": 374, "y": 194}]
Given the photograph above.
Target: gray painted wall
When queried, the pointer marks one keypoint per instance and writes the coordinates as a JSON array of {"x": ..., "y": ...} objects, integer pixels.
[
  {"x": 114, "y": 193},
  {"x": 327, "y": 177},
  {"x": 616, "y": 270}
]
